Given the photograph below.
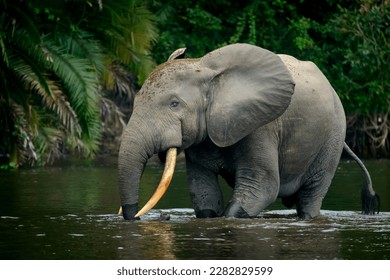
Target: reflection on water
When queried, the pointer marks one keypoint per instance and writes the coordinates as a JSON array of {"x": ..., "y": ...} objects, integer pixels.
[
  {"x": 68, "y": 213},
  {"x": 273, "y": 235}
]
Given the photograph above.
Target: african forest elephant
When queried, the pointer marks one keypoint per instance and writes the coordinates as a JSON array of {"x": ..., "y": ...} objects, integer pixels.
[{"x": 270, "y": 125}]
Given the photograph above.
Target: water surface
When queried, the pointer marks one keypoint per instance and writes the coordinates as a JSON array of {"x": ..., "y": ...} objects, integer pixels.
[{"x": 70, "y": 213}]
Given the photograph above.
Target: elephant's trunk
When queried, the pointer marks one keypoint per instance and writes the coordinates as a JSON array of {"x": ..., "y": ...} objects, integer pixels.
[
  {"x": 134, "y": 153},
  {"x": 133, "y": 156}
]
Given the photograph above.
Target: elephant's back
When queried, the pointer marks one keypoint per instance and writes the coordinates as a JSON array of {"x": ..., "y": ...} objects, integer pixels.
[
  {"x": 314, "y": 102},
  {"x": 314, "y": 116}
]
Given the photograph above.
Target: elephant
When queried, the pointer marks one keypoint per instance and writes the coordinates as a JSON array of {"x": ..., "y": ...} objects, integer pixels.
[{"x": 270, "y": 125}]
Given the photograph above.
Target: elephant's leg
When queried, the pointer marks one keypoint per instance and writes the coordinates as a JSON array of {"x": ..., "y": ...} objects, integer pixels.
[
  {"x": 254, "y": 191},
  {"x": 318, "y": 179},
  {"x": 309, "y": 197},
  {"x": 257, "y": 181},
  {"x": 205, "y": 192}
]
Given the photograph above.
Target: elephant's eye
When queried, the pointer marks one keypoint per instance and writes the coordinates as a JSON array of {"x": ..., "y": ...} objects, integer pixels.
[{"x": 174, "y": 104}]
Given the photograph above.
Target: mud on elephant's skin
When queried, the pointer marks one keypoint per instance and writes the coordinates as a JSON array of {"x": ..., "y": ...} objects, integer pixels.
[{"x": 270, "y": 125}]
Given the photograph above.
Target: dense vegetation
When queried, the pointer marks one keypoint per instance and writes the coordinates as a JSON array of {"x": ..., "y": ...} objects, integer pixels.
[
  {"x": 67, "y": 65},
  {"x": 60, "y": 60},
  {"x": 348, "y": 40}
]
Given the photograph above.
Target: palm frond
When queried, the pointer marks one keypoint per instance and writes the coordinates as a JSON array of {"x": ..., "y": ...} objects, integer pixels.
[
  {"x": 58, "y": 102},
  {"x": 124, "y": 82},
  {"x": 50, "y": 143},
  {"x": 112, "y": 117},
  {"x": 54, "y": 66},
  {"x": 81, "y": 44},
  {"x": 80, "y": 79},
  {"x": 52, "y": 96},
  {"x": 113, "y": 124},
  {"x": 25, "y": 147},
  {"x": 127, "y": 29},
  {"x": 3, "y": 38}
]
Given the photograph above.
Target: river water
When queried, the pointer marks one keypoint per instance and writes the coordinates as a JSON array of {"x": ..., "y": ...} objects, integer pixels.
[{"x": 69, "y": 212}]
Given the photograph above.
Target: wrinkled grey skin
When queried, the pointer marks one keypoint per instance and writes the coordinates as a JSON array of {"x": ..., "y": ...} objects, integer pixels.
[{"x": 270, "y": 125}]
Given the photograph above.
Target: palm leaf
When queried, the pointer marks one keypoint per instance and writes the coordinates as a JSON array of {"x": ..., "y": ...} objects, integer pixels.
[
  {"x": 81, "y": 44},
  {"x": 50, "y": 144},
  {"x": 3, "y": 38},
  {"x": 51, "y": 72},
  {"x": 58, "y": 102},
  {"x": 80, "y": 80},
  {"x": 25, "y": 146},
  {"x": 52, "y": 96},
  {"x": 127, "y": 30}
]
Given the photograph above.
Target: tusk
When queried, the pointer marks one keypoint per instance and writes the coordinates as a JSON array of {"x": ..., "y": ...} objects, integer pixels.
[
  {"x": 164, "y": 183},
  {"x": 120, "y": 211}
]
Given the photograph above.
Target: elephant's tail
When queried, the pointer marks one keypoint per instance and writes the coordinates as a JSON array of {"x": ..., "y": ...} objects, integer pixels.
[{"x": 370, "y": 199}]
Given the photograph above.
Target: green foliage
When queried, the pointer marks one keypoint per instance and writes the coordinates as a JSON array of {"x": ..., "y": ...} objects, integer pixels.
[
  {"x": 126, "y": 30},
  {"x": 246, "y": 22},
  {"x": 49, "y": 82},
  {"x": 205, "y": 25},
  {"x": 346, "y": 39},
  {"x": 57, "y": 57},
  {"x": 187, "y": 23},
  {"x": 361, "y": 73}
]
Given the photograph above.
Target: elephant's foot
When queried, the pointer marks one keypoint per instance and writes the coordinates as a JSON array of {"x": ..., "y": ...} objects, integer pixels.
[
  {"x": 235, "y": 210},
  {"x": 307, "y": 213}
]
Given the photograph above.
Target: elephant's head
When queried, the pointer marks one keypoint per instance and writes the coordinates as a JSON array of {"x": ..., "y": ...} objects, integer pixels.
[{"x": 225, "y": 95}]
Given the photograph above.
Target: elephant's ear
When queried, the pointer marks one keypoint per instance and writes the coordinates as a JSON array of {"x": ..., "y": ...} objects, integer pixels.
[
  {"x": 179, "y": 53},
  {"x": 251, "y": 87}
]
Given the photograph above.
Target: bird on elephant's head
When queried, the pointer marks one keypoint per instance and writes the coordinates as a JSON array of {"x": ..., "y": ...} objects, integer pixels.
[{"x": 269, "y": 124}]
